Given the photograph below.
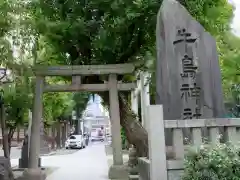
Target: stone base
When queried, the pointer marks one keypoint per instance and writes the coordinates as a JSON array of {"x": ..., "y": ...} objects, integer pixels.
[
  {"x": 118, "y": 172},
  {"x": 5, "y": 168},
  {"x": 33, "y": 174},
  {"x": 23, "y": 163},
  {"x": 133, "y": 177}
]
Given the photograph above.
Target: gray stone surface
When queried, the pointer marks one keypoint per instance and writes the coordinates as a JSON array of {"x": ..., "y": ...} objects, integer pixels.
[
  {"x": 33, "y": 174},
  {"x": 133, "y": 177},
  {"x": 133, "y": 161},
  {"x": 179, "y": 36},
  {"x": 144, "y": 171},
  {"x": 4, "y": 168},
  {"x": 108, "y": 150},
  {"x": 117, "y": 172},
  {"x": 18, "y": 172},
  {"x": 144, "y": 168},
  {"x": 23, "y": 161}
]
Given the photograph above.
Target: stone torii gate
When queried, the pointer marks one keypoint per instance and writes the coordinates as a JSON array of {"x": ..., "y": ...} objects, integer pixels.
[
  {"x": 143, "y": 90},
  {"x": 113, "y": 86}
]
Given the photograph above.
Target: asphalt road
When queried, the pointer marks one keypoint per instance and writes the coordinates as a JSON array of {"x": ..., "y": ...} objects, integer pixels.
[
  {"x": 85, "y": 164},
  {"x": 15, "y": 152}
]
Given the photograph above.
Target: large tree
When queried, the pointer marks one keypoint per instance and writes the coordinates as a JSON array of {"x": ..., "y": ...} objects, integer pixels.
[
  {"x": 231, "y": 73},
  {"x": 111, "y": 32}
]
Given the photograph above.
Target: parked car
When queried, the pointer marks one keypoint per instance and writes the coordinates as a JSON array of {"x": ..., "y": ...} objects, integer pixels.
[{"x": 75, "y": 141}]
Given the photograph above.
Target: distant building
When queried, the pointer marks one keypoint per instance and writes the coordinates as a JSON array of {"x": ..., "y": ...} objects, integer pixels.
[{"x": 95, "y": 116}]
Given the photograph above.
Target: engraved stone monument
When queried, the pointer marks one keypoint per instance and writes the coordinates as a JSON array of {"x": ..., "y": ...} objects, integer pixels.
[{"x": 188, "y": 73}]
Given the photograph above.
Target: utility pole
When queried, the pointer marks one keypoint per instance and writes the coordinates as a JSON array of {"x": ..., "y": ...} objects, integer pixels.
[{"x": 77, "y": 123}]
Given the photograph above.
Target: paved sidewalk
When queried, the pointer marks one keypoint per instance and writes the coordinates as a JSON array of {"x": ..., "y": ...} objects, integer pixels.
[{"x": 86, "y": 164}]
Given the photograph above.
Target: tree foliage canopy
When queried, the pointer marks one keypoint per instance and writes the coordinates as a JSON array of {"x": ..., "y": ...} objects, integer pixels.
[
  {"x": 18, "y": 101},
  {"x": 106, "y": 31}
]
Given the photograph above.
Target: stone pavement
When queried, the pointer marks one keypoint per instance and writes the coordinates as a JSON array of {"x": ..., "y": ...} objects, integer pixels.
[{"x": 86, "y": 164}]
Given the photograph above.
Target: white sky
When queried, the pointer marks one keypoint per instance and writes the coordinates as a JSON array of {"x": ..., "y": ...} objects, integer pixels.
[{"x": 236, "y": 22}]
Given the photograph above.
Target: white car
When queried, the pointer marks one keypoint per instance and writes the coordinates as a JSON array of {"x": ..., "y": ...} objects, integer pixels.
[{"x": 75, "y": 141}]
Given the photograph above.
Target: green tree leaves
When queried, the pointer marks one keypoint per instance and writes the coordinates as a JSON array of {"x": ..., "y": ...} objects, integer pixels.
[
  {"x": 18, "y": 101},
  {"x": 57, "y": 105},
  {"x": 81, "y": 100},
  {"x": 107, "y": 32}
]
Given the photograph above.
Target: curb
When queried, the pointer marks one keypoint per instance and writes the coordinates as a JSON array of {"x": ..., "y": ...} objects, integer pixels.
[{"x": 50, "y": 154}]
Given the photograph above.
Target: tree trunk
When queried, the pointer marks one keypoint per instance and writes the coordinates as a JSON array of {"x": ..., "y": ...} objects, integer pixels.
[
  {"x": 10, "y": 136},
  {"x": 58, "y": 137},
  {"x": 135, "y": 133},
  {"x": 77, "y": 122},
  {"x": 5, "y": 138},
  {"x": 4, "y": 133},
  {"x": 53, "y": 141},
  {"x": 18, "y": 134}
]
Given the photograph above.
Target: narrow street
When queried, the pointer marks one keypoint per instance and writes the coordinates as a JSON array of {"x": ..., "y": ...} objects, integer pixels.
[{"x": 85, "y": 164}]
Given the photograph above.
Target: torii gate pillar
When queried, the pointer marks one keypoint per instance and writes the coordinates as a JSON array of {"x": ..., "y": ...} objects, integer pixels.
[{"x": 117, "y": 170}]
